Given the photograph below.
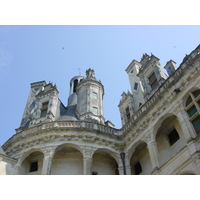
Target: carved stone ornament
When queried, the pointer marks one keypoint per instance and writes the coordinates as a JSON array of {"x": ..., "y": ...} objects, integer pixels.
[{"x": 90, "y": 73}]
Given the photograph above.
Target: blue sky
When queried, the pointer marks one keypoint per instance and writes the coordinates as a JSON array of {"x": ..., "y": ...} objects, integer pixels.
[{"x": 34, "y": 53}]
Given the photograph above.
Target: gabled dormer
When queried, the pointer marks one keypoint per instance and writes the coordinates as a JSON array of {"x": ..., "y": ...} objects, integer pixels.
[
  {"x": 135, "y": 83},
  {"x": 126, "y": 107},
  {"x": 151, "y": 74},
  {"x": 41, "y": 105}
]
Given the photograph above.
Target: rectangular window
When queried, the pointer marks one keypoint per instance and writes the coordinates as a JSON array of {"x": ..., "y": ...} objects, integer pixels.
[
  {"x": 44, "y": 109},
  {"x": 94, "y": 96},
  {"x": 153, "y": 81},
  {"x": 128, "y": 113},
  {"x": 135, "y": 86},
  {"x": 138, "y": 168},
  {"x": 192, "y": 111},
  {"x": 173, "y": 137},
  {"x": 95, "y": 111},
  {"x": 43, "y": 112},
  {"x": 34, "y": 166}
]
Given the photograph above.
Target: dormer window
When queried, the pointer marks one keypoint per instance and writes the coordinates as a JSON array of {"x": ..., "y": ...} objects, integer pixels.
[
  {"x": 135, "y": 86},
  {"x": 153, "y": 81},
  {"x": 44, "y": 109},
  {"x": 128, "y": 113}
]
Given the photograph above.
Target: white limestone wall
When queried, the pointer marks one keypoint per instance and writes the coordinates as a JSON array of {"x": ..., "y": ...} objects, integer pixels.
[
  {"x": 5, "y": 168},
  {"x": 143, "y": 157},
  {"x": 165, "y": 150},
  {"x": 103, "y": 165},
  {"x": 6, "y": 165},
  {"x": 68, "y": 164},
  {"x": 26, "y": 164}
]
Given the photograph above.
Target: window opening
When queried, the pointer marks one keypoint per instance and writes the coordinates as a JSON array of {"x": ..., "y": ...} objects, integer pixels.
[
  {"x": 173, "y": 137},
  {"x": 135, "y": 86},
  {"x": 34, "y": 167},
  {"x": 138, "y": 168},
  {"x": 193, "y": 109},
  {"x": 196, "y": 93},
  {"x": 189, "y": 100},
  {"x": 75, "y": 85},
  {"x": 95, "y": 111},
  {"x": 128, "y": 113},
  {"x": 153, "y": 81},
  {"x": 196, "y": 124},
  {"x": 94, "y": 96},
  {"x": 44, "y": 109}
]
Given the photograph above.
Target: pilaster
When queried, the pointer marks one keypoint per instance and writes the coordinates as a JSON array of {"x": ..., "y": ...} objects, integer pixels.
[
  {"x": 186, "y": 127},
  {"x": 47, "y": 161},
  {"x": 121, "y": 170},
  {"x": 87, "y": 162}
]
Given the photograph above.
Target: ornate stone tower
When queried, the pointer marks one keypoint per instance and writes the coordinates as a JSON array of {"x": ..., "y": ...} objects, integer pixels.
[
  {"x": 89, "y": 98},
  {"x": 135, "y": 83},
  {"x": 41, "y": 105},
  {"x": 151, "y": 75}
]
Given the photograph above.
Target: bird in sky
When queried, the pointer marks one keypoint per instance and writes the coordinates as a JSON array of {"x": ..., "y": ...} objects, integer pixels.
[{"x": 63, "y": 48}]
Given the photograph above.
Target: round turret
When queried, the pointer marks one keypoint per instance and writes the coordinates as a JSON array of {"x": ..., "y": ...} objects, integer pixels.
[
  {"x": 89, "y": 98},
  {"x": 73, "y": 84}
]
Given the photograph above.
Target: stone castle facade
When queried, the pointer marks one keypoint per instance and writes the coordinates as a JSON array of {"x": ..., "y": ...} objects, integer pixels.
[{"x": 160, "y": 132}]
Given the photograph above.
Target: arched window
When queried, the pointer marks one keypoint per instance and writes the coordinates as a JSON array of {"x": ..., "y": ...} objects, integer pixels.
[
  {"x": 75, "y": 85},
  {"x": 193, "y": 109}
]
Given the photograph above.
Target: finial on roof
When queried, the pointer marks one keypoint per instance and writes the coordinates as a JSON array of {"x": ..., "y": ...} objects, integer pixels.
[{"x": 90, "y": 73}]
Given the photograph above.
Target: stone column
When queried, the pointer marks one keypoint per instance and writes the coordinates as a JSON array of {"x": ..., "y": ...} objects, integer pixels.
[
  {"x": 153, "y": 152},
  {"x": 121, "y": 170},
  {"x": 47, "y": 161},
  {"x": 87, "y": 163},
  {"x": 127, "y": 165},
  {"x": 125, "y": 162}
]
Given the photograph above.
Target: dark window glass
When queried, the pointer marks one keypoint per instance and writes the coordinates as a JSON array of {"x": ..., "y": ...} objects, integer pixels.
[
  {"x": 192, "y": 111},
  {"x": 196, "y": 124},
  {"x": 152, "y": 78},
  {"x": 196, "y": 93},
  {"x": 135, "y": 86},
  {"x": 173, "y": 137},
  {"x": 138, "y": 168},
  {"x": 43, "y": 112},
  {"x": 198, "y": 103},
  {"x": 45, "y": 104},
  {"x": 75, "y": 85},
  {"x": 128, "y": 113},
  {"x": 189, "y": 100},
  {"x": 34, "y": 166}
]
